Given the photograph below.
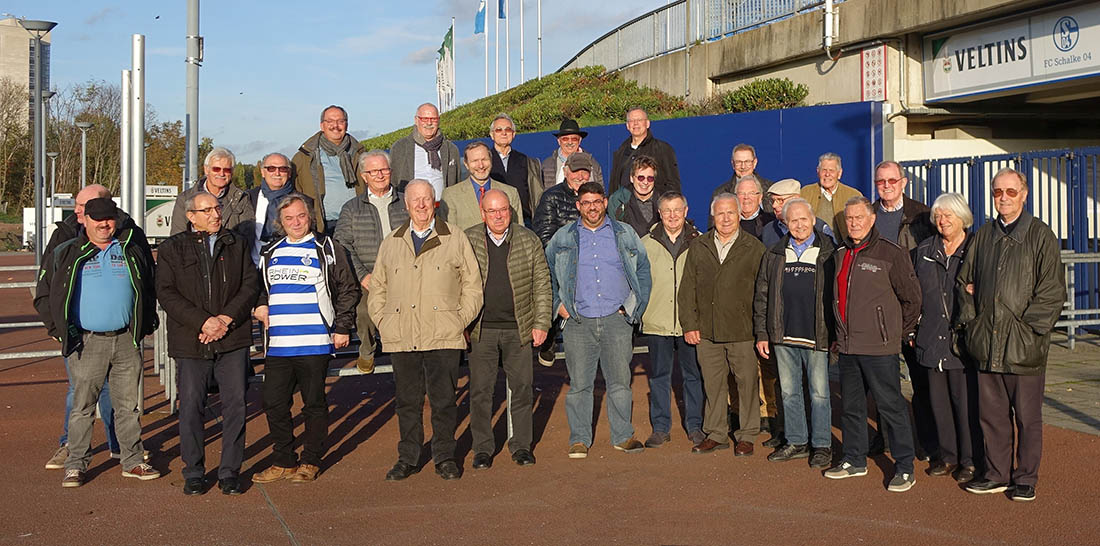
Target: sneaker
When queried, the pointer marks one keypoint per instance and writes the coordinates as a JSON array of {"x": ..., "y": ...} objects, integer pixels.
[
  {"x": 986, "y": 487},
  {"x": 274, "y": 473},
  {"x": 789, "y": 452},
  {"x": 142, "y": 472},
  {"x": 845, "y": 470},
  {"x": 305, "y": 473},
  {"x": 902, "y": 481},
  {"x": 547, "y": 357},
  {"x": 57, "y": 461},
  {"x": 657, "y": 439},
  {"x": 696, "y": 437},
  {"x": 821, "y": 457},
  {"x": 118, "y": 456},
  {"x": 365, "y": 365},
  {"x": 630, "y": 446},
  {"x": 578, "y": 451},
  {"x": 73, "y": 478},
  {"x": 776, "y": 440},
  {"x": 1023, "y": 493}
]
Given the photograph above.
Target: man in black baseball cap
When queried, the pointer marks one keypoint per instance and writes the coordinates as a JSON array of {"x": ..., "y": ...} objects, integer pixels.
[{"x": 569, "y": 137}]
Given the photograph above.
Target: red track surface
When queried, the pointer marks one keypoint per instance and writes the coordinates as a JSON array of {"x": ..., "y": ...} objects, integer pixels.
[{"x": 661, "y": 496}]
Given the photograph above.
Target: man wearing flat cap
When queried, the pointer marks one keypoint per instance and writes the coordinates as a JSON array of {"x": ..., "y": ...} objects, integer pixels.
[
  {"x": 778, "y": 194},
  {"x": 569, "y": 137},
  {"x": 558, "y": 205},
  {"x": 96, "y": 295}
]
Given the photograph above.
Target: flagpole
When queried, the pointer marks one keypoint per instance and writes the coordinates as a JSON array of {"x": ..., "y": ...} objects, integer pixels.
[
  {"x": 539, "y": 14},
  {"x": 486, "y": 33},
  {"x": 507, "y": 44},
  {"x": 496, "y": 47},
  {"x": 521, "y": 44},
  {"x": 454, "y": 82}
]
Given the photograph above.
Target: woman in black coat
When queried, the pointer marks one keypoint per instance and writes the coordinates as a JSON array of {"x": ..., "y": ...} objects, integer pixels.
[{"x": 952, "y": 381}]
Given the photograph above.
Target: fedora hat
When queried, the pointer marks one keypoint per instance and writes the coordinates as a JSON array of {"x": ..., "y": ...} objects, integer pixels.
[{"x": 570, "y": 127}]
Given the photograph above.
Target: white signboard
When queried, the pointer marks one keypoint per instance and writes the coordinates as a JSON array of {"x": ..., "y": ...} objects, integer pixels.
[
  {"x": 873, "y": 73},
  {"x": 1028, "y": 50}
]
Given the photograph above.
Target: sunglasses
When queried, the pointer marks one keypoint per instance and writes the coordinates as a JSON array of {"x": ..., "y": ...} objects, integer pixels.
[
  {"x": 644, "y": 178},
  {"x": 272, "y": 168},
  {"x": 885, "y": 181},
  {"x": 219, "y": 170},
  {"x": 1012, "y": 192}
]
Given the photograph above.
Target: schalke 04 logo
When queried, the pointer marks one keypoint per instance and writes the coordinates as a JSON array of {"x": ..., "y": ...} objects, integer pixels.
[{"x": 1066, "y": 33}]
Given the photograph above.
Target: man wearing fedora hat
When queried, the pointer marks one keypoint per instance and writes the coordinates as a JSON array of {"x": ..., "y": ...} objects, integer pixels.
[{"x": 569, "y": 137}]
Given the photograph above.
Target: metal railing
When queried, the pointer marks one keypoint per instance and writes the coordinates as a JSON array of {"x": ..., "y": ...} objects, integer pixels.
[{"x": 664, "y": 29}]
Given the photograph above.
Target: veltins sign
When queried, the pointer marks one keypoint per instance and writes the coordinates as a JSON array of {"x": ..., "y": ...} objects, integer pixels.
[{"x": 1027, "y": 50}]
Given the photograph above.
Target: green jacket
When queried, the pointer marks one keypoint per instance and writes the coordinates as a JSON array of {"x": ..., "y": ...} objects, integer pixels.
[
  {"x": 716, "y": 298},
  {"x": 661, "y": 315},
  {"x": 528, "y": 273},
  {"x": 1019, "y": 289}
]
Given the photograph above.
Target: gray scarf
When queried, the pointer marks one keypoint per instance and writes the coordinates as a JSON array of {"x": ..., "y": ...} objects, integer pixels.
[
  {"x": 344, "y": 151},
  {"x": 432, "y": 147}
]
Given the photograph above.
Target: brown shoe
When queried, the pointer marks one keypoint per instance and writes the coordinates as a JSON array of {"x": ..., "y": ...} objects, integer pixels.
[
  {"x": 940, "y": 468},
  {"x": 365, "y": 365},
  {"x": 708, "y": 445},
  {"x": 578, "y": 451},
  {"x": 630, "y": 446},
  {"x": 305, "y": 473},
  {"x": 142, "y": 472},
  {"x": 743, "y": 449},
  {"x": 273, "y": 474}
]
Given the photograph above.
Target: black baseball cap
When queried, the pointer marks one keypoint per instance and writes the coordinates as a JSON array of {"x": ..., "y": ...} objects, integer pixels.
[{"x": 101, "y": 208}]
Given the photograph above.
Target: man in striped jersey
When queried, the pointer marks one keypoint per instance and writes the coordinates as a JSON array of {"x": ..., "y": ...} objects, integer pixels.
[{"x": 307, "y": 304}]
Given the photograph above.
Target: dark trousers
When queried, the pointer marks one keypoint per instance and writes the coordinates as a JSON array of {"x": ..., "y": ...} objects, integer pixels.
[
  {"x": 498, "y": 345},
  {"x": 282, "y": 376},
  {"x": 881, "y": 375},
  {"x": 195, "y": 377},
  {"x": 923, "y": 419},
  {"x": 954, "y": 398},
  {"x": 414, "y": 374},
  {"x": 1000, "y": 398}
]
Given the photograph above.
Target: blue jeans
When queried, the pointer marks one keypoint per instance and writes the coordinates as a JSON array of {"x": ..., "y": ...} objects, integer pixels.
[
  {"x": 607, "y": 342},
  {"x": 790, "y": 361},
  {"x": 662, "y": 351},
  {"x": 105, "y": 412}
]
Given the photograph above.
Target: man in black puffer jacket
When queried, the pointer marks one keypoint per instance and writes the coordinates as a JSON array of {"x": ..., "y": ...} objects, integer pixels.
[{"x": 558, "y": 205}]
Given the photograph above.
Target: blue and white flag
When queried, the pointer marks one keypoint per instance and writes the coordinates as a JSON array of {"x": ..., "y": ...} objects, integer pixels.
[
  {"x": 479, "y": 19},
  {"x": 502, "y": 9}
]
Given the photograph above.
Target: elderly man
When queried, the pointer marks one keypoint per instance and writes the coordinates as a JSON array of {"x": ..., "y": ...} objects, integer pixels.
[
  {"x": 666, "y": 246},
  {"x": 207, "y": 284},
  {"x": 828, "y": 196},
  {"x": 364, "y": 221},
  {"x": 97, "y": 296},
  {"x": 424, "y": 292},
  {"x": 513, "y": 167},
  {"x": 425, "y": 154},
  {"x": 325, "y": 167},
  {"x": 237, "y": 212},
  {"x": 791, "y": 325},
  {"x": 68, "y": 229},
  {"x": 639, "y": 210},
  {"x": 779, "y": 193},
  {"x": 461, "y": 203},
  {"x": 1012, "y": 290},
  {"x": 743, "y": 160},
  {"x": 569, "y": 137},
  {"x": 899, "y": 218},
  {"x": 877, "y": 302},
  {"x": 558, "y": 206},
  {"x": 641, "y": 142},
  {"x": 276, "y": 183},
  {"x": 601, "y": 292},
  {"x": 750, "y": 195},
  {"x": 716, "y": 314},
  {"x": 512, "y": 266}
]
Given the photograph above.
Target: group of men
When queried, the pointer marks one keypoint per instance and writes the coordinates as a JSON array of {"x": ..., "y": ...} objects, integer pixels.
[{"x": 499, "y": 262}]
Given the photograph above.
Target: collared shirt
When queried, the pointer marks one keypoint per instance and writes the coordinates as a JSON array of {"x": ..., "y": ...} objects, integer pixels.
[
  {"x": 423, "y": 170},
  {"x": 754, "y": 214},
  {"x": 337, "y": 191},
  {"x": 503, "y": 157},
  {"x": 724, "y": 248},
  {"x": 601, "y": 279},
  {"x": 383, "y": 205},
  {"x": 800, "y": 248},
  {"x": 882, "y": 205},
  {"x": 423, "y": 234},
  {"x": 493, "y": 237},
  {"x": 104, "y": 295},
  {"x": 224, "y": 192},
  {"x": 828, "y": 195},
  {"x": 480, "y": 189}
]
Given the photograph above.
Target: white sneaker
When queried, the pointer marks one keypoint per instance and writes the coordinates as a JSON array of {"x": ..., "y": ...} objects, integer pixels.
[{"x": 57, "y": 461}]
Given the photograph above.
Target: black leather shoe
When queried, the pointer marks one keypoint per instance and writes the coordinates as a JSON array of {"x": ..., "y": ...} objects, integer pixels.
[
  {"x": 230, "y": 486},
  {"x": 448, "y": 470},
  {"x": 400, "y": 471},
  {"x": 523, "y": 457},
  {"x": 1023, "y": 493},
  {"x": 985, "y": 487},
  {"x": 193, "y": 486},
  {"x": 482, "y": 461},
  {"x": 964, "y": 474},
  {"x": 775, "y": 441}
]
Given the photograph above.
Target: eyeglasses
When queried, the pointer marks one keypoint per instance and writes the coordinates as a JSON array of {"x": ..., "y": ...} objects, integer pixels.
[
  {"x": 639, "y": 120},
  {"x": 428, "y": 120},
  {"x": 644, "y": 178},
  {"x": 342, "y": 121},
  {"x": 744, "y": 162},
  {"x": 1012, "y": 192},
  {"x": 494, "y": 212},
  {"x": 272, "y": 168},
  {"x": 570, "y": 138},
  {"x": 747, "y": 193},
  {"x": 207, "y": 210},
  {"x": 219, "y": 170},
  {"x": 504, "y": 130},
  {"x": 888, "y": 181},
  {"x": 379, "y": 172},
  {"x": 589, "y": 204},
  {"x": 672, "y": 211}
]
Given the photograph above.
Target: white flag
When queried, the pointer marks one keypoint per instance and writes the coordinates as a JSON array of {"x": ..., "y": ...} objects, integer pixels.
[{"x": 445, "y": 72}]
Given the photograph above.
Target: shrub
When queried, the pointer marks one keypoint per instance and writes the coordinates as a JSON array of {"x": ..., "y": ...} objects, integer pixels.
[{"x": 765, "y": 94}]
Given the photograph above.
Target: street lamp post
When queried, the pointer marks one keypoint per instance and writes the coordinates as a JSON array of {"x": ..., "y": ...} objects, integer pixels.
[
  {"x": 83, "y": 126},
  {"x": 38, "y": 29},
  {"x": 183, "y": 175},
  {"x": 53, "y": 184}
]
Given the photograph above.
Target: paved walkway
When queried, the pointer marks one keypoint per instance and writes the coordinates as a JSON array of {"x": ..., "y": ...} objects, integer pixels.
[{"x": 1073, "y": 385}]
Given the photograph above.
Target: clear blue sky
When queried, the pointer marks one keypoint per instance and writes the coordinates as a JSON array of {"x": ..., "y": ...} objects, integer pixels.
[{"x": 271, "y": 66}]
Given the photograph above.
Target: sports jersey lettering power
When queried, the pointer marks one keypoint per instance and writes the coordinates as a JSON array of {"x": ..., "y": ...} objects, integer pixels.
[{"x": 297, "y": 324}]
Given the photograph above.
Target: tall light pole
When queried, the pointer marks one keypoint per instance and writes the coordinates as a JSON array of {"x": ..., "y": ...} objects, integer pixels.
[
  {"x": 38, "y": 29},
  {"x": 53, "y": 183},
  {"x": 83, "y": 126},
  {"x": 183, "y": 175}
]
